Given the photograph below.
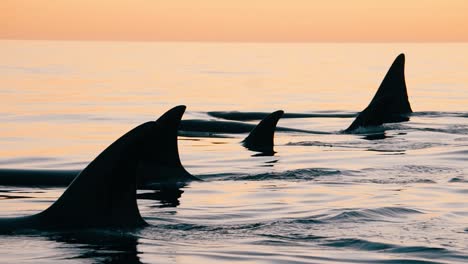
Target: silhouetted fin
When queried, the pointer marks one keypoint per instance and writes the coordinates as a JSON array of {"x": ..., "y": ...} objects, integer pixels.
[
  {"x": 160, "y": 161},
  {"x": 104, "y": 193},
  {"x": 261, "y": 138},
  {"x": 390, "y": 103}
]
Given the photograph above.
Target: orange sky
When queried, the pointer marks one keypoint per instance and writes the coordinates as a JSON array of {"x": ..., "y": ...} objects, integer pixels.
[{"x": 235, "y": 20}]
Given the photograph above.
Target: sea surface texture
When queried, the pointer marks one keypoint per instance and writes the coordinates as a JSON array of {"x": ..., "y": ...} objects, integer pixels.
[{"x": 391, "y": 194}]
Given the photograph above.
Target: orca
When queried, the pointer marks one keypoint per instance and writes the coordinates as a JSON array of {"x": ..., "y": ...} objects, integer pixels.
[
  {"x": 159, "y": 161},
  {"x": 260, "y": 138},
  {"x": 103, "y": 195},
  {"x": 251, "y": 116},
  {"x": 390, "y": 103},
  {"x": 213, "y": 128}
]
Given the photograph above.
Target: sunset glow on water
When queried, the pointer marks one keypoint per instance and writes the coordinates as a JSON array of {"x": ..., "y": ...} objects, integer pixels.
[{"x": 321, "y": 198}]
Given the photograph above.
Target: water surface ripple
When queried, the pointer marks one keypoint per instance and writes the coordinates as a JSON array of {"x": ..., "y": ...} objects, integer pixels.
[{"x": 392, "y": 194}]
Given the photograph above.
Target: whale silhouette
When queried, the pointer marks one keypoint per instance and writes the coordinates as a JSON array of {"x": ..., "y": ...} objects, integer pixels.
[
  {"x": 389, "y": 105},
  {"x": 102, "y": 195},
  {"x": 213, "y": 128},
  {"x": 251, "y": 116},
  {"x": 260, "y": 138},
  {"x": 159, "y": 161}
]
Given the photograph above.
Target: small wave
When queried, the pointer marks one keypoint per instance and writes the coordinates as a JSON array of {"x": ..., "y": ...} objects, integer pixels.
[
  {"x": 310, "y": 143},
  {"x": 369, "y": 130},
  {"x": 371, "y": 214},
  {"x": 440, "y": 114},
  {"x": 210, "y": 228},
  {"x": 358, "y": 244},
  {"x": 452, "y": 129},
  {"x": 307, "y": 221},
  {"x": 300, "y": 174},
  {"x": 397, "y": 181},
  {"x": 458, "y": 179},
  {"x": 294, "y": 237},
  {"x": 381, "y": 146},
  {"x": 273, "y": 242},
  {"x": 405, "y": 174},
  {"x": 390, "y": 248},
  {"x": 184, "y": 226},
  {"x": 418, "y": 250}
]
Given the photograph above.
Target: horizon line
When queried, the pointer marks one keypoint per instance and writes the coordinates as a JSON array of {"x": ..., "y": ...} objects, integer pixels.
[{"x": 244, "y": 41}]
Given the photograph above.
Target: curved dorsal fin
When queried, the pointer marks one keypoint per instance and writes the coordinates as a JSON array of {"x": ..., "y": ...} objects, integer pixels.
[
  {"x": 390, "y": 102},
  {"x": 261, "y": 138},
  {"x": 160, "y": 161},
  {"x": 104, "y": 193}
]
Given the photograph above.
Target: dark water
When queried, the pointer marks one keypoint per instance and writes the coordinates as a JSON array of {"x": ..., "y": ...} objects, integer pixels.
[{"x": 393, "y": 194}]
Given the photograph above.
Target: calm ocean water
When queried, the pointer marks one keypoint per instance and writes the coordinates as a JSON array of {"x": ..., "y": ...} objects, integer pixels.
[{"x": 322, "y": 198}]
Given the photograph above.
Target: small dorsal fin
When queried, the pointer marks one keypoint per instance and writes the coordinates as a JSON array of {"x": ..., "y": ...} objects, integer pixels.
[
  {"x": 261, "y": 138},
  {"x": 390, "y": 103},
  {"x": 104, "y": 193},
  {"x": 160, "y": 162}
]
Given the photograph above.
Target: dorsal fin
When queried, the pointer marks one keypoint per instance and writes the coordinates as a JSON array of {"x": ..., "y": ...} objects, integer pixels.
[
  {"x": 261, "y": 138},
  {"x": 390, "y": 103},
  {"x": 160, "y": 161},
  {"x": 104, "y": 193}
]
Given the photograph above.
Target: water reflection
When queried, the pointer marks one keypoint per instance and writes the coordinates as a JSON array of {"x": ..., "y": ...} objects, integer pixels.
[
  {"x": 111, "y": 246},
  {"x": 10, "y": 194},
  {"x": 270, "y": 163},
  {"x": 376, "y": 136},
  {"x": 168, "y": 194},
  {"x": 264, "y": 154}
]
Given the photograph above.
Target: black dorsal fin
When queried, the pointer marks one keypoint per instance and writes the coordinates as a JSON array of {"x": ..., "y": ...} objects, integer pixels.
[
  {"x": 390, "y": 103},
  {"x": 104, "y": 193},
  {"x": 161, "y": 162},
  {"x": 261, "y": 138}
]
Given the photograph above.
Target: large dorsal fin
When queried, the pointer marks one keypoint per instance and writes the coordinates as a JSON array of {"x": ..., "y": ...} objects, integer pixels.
[
  {"x": 104, "y": 193},
  {"x": 390, "y": 102},
  {"x": 160, "y": 162},
  {"x": 261, "y": 138}
]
